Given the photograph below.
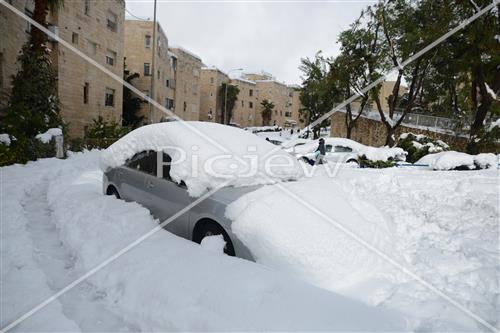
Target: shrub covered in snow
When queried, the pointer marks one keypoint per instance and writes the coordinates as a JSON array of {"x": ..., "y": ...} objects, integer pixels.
[
  {"x": 419, "y": 145},
  {"x": 380, "y": 157},
  {"x": 453, "y": 160}
]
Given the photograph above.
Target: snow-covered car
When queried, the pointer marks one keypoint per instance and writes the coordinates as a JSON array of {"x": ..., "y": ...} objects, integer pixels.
[
  {"x": 338, "y": 150},
  {"x": 290, "y": 145},
  {"x": 158, "y": 167}
]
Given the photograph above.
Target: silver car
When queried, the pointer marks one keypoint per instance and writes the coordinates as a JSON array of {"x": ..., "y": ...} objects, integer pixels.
[{"x": 137, "y": 181}]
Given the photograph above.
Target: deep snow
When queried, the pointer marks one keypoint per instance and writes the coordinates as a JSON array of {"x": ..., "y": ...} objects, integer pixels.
[
  {"x": 442, "y": 226},
  {"x": 57, "y": 225}
]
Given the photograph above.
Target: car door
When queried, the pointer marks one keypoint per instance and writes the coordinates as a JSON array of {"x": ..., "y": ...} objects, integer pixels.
[
  {"x": 168, "y": 198},
  {"x": 341, "y": 153},
  {"x": 132, "y": 177}
]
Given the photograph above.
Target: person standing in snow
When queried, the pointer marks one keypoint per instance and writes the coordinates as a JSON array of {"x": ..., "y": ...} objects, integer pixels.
[{"x": 320, "y": 152}]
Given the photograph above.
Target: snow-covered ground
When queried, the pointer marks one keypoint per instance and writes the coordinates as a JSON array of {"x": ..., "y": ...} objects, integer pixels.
[
  {"x": 443, "y": 226},
  {"x": 57, "y": 226}
]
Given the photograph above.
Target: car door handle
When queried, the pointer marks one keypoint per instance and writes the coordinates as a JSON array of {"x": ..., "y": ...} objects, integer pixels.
[{"x": 151, "y": 184}]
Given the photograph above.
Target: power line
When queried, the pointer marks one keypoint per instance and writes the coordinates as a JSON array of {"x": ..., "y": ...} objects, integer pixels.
[{"x": 137, "y": 17}]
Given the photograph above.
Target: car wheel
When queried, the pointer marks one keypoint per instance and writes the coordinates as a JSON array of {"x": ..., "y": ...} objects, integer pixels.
[
  {"x": 210, "y": 228},
  {"x": 113, "y": 191}
]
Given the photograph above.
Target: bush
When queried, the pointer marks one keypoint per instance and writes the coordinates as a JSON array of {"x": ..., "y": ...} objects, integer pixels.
[
  {"x": 364, "y": 162},
  {"x": 24, "y": 150},
  {"x": 103, "y": 133},
  {"x": 420, "y": 145}
]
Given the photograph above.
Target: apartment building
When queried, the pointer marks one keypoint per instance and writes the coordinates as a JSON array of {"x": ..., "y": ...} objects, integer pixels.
[
  {"x": 211, "y": 79},
  {"x": 93, "y": 27},
  {"x": 246, "y": 106},
  {"x": 187, "y": 72},
  {"x": 139, "y": 59},
  {"x": 284, "y": 97}
]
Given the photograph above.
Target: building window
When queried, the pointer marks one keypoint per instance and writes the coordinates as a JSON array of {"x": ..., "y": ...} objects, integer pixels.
[
  {"x": 212, "y": 80},
  {"x": 242, "y": 103},
  {"x": 147, "y": 41},
  {"x": 74, "y": 38},
  {"x": 169, "y": 104},
  {"x": 288, "y": 114},
  {"x": 250, "y": 105},
  {"x": 158, "y": 74},
  {"x": 167, "y": 83},
  {"x": 110, "y": 97},
  {"x": 111, "y": 21},
  {"x": 86, "y": 93},
  {"x": 184, "y": 107},
  {"x": 28, "y": 13},
  {"x": 250, "y": 92},
  {"x": 147, "y": 69},
  {"x": 87, "y": 7},
  {"x": 110, "y": 57}
]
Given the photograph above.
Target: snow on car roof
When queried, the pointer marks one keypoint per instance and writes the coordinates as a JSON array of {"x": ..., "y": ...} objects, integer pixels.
[
  {"x": 312, "y": 145},
  {"x": 206, "y": 155}
]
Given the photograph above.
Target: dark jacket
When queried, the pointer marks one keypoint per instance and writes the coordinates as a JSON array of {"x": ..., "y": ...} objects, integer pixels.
[{"x": 321, "y": 148}]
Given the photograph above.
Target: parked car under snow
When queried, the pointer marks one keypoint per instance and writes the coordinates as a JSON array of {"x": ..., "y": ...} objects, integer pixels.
[{"x": 164, "y": 168}]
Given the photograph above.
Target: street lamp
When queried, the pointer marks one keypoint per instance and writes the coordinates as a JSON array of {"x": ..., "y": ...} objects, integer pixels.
[
  {"x": 152, "y": 88},
  {"x": 225, "y": 94}
]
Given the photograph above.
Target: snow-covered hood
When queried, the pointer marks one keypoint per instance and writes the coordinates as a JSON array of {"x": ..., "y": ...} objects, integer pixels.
[{"x": 207, "y": 155}]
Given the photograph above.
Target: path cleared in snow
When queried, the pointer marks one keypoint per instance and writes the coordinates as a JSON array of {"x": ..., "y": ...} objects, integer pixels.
[{"x": 82, "y": 304}]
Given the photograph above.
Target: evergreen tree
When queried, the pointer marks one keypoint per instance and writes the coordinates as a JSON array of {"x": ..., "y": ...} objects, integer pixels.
[
  {"x": 131, "y": 102},
  {"x": 316, "y": 95},
  {"x": 232, "y": 96},
  {"x": 34, "y": 106},
  {"x": 267, "y": 112}
]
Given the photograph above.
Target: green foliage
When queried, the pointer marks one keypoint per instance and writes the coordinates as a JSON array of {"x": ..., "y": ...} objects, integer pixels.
[
  {"x": 232, "y": 96},
  {"x": 267, "y": 112},
  {"x": 102, "y": 134},
  {"x": 131, "y": 102},
  {"x": 366, "y": 163},
  {"x": 316, "y": 95},
  {"x": 24, "y": 150},
  {"x": 418, "y": 146}
]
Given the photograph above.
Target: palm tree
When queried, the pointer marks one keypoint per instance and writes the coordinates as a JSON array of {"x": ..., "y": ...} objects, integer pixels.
[
  {"x": 38, "y": 37},
  {"x": 267, "y": 111}
]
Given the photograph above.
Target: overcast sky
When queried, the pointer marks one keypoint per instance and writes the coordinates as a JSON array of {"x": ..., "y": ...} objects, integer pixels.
[{"x": 254, "y": 35}]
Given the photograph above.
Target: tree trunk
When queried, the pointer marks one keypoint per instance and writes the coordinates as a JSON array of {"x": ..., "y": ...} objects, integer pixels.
[
  {"x": 389, "y": 140},
  {"x": 38, "y": 37},
  {"x": 349, "y": 131}
]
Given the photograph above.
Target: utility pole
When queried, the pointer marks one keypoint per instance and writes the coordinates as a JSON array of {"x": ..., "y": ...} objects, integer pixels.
[{"x": 152, "y": 89}]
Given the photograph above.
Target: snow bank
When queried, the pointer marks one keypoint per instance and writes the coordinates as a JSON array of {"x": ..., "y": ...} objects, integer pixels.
[
  {"x": 5, "y": 139},
  {"x": 201, "y": 164},
  {"x": 442, "y": 226},
  {"x": 214, "y": 244},
  {"x": 383, "y": 153},
  {"x": 451, "y": 160},
  {"x": 47, "y": 136},
  {"x": 170, "y": 284}
]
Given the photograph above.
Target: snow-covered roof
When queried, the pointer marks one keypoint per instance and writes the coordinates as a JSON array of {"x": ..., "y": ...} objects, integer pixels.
[
  {"x": 206, "y": 155},
  {"x": 244, "y": 80}
]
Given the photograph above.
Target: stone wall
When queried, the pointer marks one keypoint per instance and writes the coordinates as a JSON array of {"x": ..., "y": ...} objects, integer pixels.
[{"x": 372, "y": 133}]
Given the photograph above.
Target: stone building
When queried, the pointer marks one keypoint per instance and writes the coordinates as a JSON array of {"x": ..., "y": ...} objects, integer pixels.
[
  {"x": 139, "y": 59},
  {"x": 245, "y": 108},
  {"x": 211, "y": 79},
  {"x": 93, "y": 27},
  {"x": 284, "y": 98},
  {"x": 187, "y": 71}
]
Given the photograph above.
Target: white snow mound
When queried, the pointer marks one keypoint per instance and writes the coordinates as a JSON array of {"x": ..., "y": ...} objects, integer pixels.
[
  {"x": 214, "y": 243},
  {"x": 47, "y": 136},
  {"x": 450, "y": 160},
  {"x": 207, "y": 155}
]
